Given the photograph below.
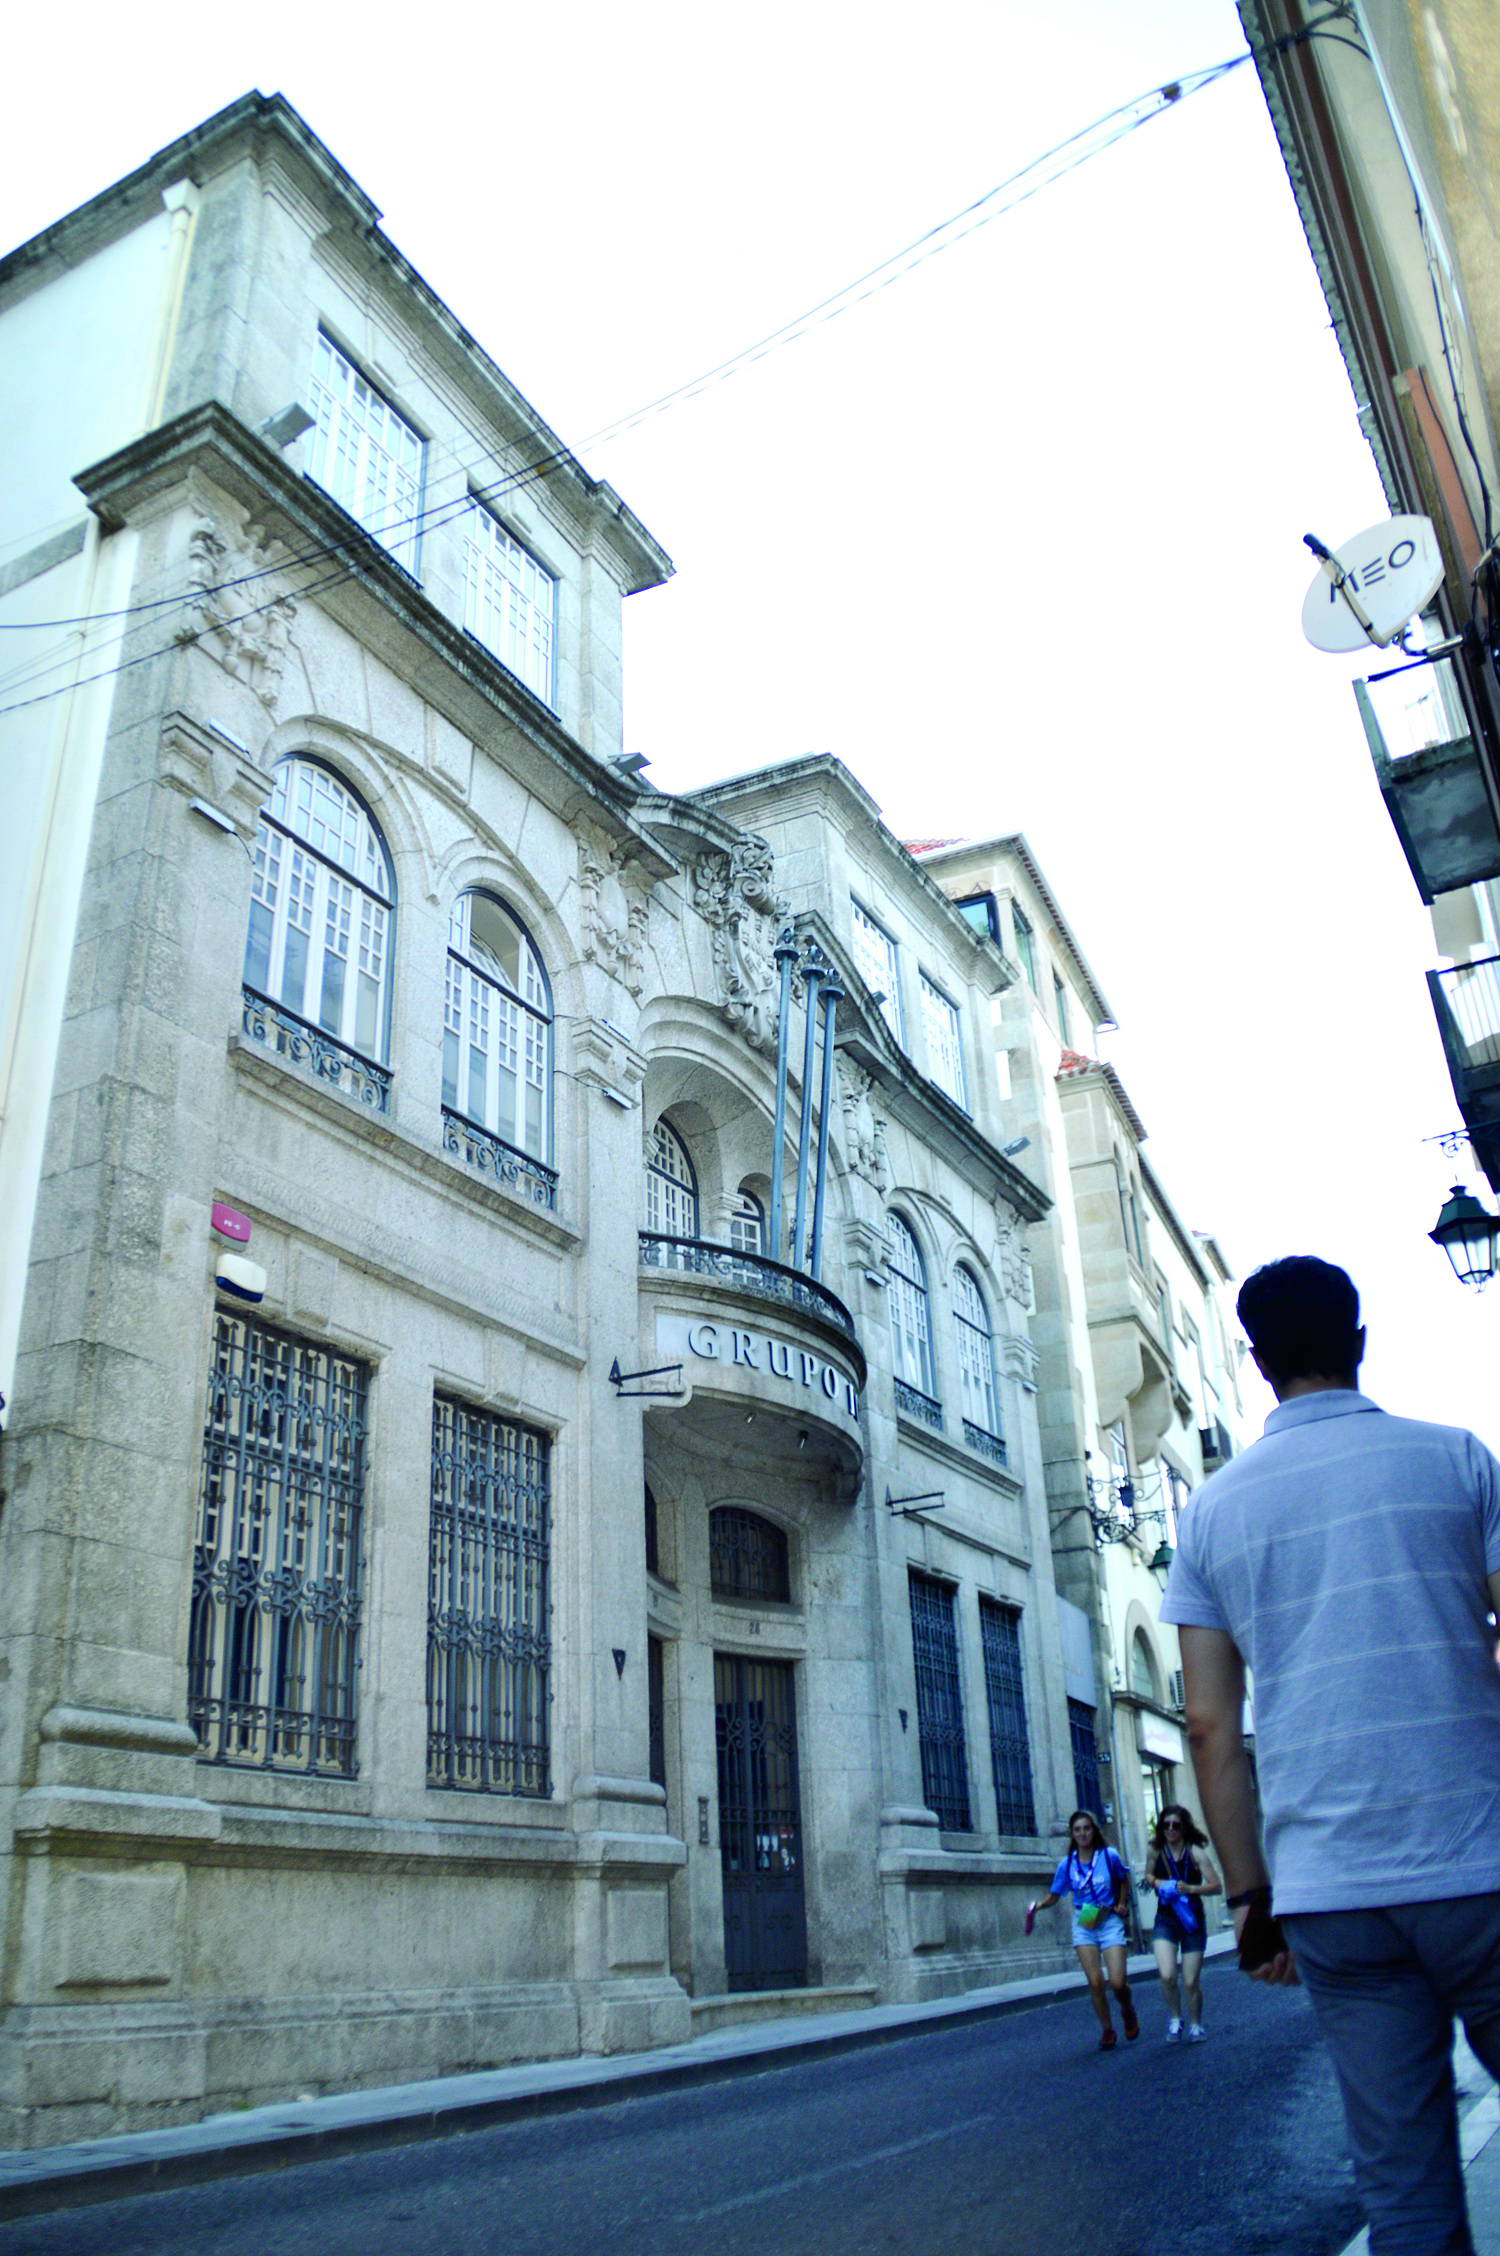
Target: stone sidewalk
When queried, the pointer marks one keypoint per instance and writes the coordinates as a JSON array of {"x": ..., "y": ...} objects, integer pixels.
[{"x": 267, "y": 2138}]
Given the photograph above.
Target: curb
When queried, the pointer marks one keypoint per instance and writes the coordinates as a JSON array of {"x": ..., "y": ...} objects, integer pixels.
[{"x": 321, "y": 2130}]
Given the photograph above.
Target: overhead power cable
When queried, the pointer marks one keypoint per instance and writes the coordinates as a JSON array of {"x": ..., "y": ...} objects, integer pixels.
[{"x": 1019, "y": 187}]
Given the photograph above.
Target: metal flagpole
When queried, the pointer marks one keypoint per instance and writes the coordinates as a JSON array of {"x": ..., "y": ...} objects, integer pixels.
[
  {"x": 813, "y": 972},
  {"x": 831, "y": 997},
  {"x": 786, "y": 956}
]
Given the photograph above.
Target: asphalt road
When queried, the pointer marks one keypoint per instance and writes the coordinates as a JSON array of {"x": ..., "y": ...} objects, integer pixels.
[{"x": 1011, "y": 2137}]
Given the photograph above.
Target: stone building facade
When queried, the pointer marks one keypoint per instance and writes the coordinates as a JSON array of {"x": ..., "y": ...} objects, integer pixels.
[
  {"x": 463, "y": 1598},
  {"x": 1137, "y": 1351}
]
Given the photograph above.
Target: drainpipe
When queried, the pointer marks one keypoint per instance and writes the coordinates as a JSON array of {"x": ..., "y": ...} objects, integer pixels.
[
  {"x": 813, "y": 972},
  {"x": 786, "y": 956},
  {"x": 831, "y": 997}
]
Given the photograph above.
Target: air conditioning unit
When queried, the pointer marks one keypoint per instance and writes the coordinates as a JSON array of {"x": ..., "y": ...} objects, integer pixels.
[{"x": 1175, "y": 1688}]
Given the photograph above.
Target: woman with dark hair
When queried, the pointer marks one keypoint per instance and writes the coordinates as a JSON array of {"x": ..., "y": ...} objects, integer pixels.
[
  {"x": 1181, "y": 1880},
  {"x": 1098, "y": 1880}
]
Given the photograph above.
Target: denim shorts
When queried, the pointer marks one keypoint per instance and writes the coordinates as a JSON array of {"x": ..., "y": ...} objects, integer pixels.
[
  {"x": 1109, "y": 1931},
  {"x": 1162, "y": 1933}
]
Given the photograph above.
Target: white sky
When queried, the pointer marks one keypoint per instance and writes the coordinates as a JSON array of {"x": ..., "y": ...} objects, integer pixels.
[{"x": 1019, "y": 540}]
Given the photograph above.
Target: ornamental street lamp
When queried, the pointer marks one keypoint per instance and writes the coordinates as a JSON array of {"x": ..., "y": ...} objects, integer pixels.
[{"x": 1469, "y": 1236}]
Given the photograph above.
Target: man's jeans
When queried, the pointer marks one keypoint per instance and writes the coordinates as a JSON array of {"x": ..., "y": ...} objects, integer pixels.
[{"x": 1386, "y": 1986}]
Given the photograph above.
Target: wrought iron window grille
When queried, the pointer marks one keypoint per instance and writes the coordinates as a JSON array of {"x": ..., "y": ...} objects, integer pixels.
[
  {"x": 920, "y": 1406},
  {"x": 940, "y": 1718},
  {"x": 489, "y": 1155},
  {"x": 273, "y": 1649},
  {"x": 1010, "y": 1743},
  {"x": 297, "y": 1039},
  {"x": 489, "y": 1649},
  {"x": 748, "y": 1556},
  {"x": 1085, "y": 1756},
  {"x": 754, "y": 1273}
]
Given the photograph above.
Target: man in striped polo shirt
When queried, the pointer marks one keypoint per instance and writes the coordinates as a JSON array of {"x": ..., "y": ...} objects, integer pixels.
[{"x": 1349, "y": 1561}]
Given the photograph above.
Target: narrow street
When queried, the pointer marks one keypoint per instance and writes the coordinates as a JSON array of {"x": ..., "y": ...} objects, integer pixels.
[{"x": 1014, "y": 2137}]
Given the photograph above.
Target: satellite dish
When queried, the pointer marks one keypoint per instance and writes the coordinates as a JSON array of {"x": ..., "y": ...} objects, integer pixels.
[{"x": 1368, "y": 590}]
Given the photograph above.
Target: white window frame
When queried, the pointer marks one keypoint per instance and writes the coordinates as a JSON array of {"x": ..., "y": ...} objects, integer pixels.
[
  {"x": 976, "y": 1353},
  {"x": 510, "y": 602},
  {"x": 911, "y": 1330},
  {"x": 1025, "y": 934},
  {"x": 945, "y": 1042},
  {"x": 747, "y": 1223},
  {"x": 876, "y": 961},
  {"x": 671, "y": 1185},
  {"x": 322, "y": 910},
  {"x": 365, "y": 454},
  {"x": 497, "y": 1033}
]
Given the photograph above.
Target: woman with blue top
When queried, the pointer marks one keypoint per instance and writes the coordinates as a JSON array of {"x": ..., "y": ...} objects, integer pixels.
[
  {"x": 1181, "y": 1880},
  {"x": 1098, "y": 1880}
]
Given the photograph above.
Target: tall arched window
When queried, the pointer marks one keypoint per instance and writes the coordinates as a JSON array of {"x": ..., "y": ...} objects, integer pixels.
[
  {"x": 322, "y": 910},
  {"x": 497, "y": 1027},
  {"x": 911, "y": 1334},
  {"x": 976, "y": 1355},
  {"x": 747, "y": 1555},
  {"x": 671, "y": 1185},
  {"x": 1142, "y": 1669}
]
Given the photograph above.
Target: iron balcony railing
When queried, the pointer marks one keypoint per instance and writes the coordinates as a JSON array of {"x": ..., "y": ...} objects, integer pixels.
[
  {"x": 752, "y": 1272},
  {"x": 492, "y": 1156},
  {"x": 1466, "y": 999},
  {"x": 297, "y": 1038},
  {"x": 918, "y": 1405},
  {"x": 980, "y": 1439}
]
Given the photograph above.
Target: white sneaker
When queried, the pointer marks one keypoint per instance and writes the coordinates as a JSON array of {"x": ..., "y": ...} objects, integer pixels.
[
  {"x": 1196, "y": 2032},
  {"x": 1174, "y": 2029}
]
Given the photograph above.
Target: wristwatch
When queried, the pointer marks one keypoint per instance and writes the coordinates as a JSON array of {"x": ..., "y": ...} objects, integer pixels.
[{"x": 1262, "y": 1894}]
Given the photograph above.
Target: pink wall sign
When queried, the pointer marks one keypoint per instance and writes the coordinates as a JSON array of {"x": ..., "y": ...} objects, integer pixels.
[{"x": 229, "y": 1224}]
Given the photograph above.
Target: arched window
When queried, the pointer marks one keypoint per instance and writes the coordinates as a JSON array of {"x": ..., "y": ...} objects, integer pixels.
[
  {"x": 910, "y": 1332},
  {"x": 671, "y": 1185},
  {"x": 747, "y": 1224},
  {"x": 1142, "y": 1668},
  {"x": 497, "y": 1027},
  {"x": 747, "y": 1555},
  {"x": 976, "y": 1355},
  {"x": 321, "y": 910}
]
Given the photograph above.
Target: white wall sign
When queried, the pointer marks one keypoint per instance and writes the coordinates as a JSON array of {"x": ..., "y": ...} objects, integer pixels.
[
  {"x": 796, "y": 1370},
  {"x": 1392, "y": 570}
]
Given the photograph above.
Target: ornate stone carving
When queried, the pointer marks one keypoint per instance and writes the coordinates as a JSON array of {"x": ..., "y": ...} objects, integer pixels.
[
  {"x": 246, "y": 628},
  {"x": 1019, "y": 1360},
  {"x": 864, "y": 1129},
  {"x": 614, "y": 917},
  {"x": 735, "y": 894},
  {"x": 1014, "y": 1261}
]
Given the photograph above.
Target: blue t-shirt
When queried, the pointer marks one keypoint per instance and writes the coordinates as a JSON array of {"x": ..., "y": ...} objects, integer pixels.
[
  {"x": 1095, "y": 1883},
  {"x": 1346, "y": 1555}
]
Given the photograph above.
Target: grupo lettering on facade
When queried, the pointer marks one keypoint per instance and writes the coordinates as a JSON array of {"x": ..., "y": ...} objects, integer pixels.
[{"x": 756, "y": 1351}]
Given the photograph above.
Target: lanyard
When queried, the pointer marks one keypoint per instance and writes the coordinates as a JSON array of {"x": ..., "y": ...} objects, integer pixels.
[{"x": 1085, "y": 1872}]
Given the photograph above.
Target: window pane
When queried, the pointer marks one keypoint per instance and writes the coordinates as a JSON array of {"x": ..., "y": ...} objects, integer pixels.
[
  {"x": 945, "y": 1055},
  {"x": 1010, "y": 1743},
  {"x": 875, "y": 956},
  {"x": 509, "y": 602},
  {"x": 362, "y": 453}
]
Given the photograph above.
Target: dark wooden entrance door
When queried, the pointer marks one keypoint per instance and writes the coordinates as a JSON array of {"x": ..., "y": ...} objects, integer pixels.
[{"x": 760, "y": 1824}]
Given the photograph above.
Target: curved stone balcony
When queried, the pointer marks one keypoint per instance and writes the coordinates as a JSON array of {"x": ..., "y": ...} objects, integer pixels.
[{"x": 769, "y": 1358}]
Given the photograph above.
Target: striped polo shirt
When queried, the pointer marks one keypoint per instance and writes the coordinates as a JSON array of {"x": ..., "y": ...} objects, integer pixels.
[{"x": 1346, "y": 1553}]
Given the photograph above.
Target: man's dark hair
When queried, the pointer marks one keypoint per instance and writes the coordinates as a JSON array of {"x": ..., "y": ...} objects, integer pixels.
[{"x": 1302, "y": 1316}]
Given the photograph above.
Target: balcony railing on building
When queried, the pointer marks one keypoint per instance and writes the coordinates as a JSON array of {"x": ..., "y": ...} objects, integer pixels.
[
  {"x": 984, "y": 1443},
  {"x": 918, "y": 1405},
  {"x": 754, "y": 1274},
  {"x": 289, "y": 1036},
  {"x": 502, "y": 1162},
  {"x": 1429, "y": 773}
]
